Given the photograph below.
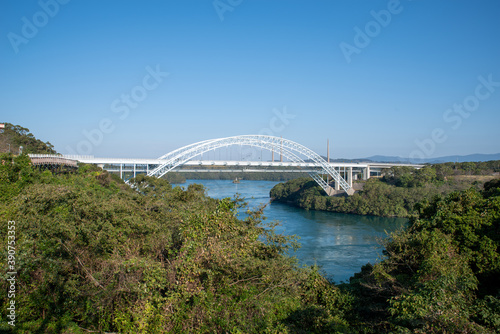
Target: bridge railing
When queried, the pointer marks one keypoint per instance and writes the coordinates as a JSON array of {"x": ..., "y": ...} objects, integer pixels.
[
  {"x": 71, "y": 157},
  {"x": 78, "y": 157},
  {"x": 52, "y": 159}
]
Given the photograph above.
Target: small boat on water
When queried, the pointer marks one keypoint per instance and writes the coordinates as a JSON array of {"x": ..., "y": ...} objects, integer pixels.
[{"x": 236, "y": 180}]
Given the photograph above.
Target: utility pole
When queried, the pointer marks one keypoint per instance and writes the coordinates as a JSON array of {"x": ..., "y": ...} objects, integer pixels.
[{"x": 328, "y": 150}]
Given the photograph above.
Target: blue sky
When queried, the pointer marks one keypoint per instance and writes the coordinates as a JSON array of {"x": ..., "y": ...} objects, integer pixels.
[{"x": 374, "y": 77}]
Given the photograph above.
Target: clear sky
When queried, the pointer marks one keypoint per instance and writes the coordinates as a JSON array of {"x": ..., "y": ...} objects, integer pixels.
[{"x": 123, "y": 78}]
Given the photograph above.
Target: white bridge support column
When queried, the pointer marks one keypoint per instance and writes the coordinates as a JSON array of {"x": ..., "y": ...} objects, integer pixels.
[
  {"x": 366, "y": 173},
  {"x": 349, "y": 176},
  {"x": 337, "y": 185}
]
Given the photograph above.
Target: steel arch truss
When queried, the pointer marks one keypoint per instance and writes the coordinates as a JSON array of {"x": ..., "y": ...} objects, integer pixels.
[{"x": 289, "y": 149}]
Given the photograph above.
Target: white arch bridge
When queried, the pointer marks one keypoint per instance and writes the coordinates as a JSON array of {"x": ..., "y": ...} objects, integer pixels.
[
  {"x": 292, "y": 151},
  {"x": 299, "y": 159}
]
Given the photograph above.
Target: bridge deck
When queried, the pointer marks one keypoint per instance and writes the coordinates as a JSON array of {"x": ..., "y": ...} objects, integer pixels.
[
  {"x": 131, "y": 161},
  {"x": 59, "y": 161},
  {"x": 225, "y": 163}
]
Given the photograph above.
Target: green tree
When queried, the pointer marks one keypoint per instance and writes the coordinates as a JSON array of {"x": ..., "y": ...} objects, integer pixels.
[{"x": 15, "y": 136}]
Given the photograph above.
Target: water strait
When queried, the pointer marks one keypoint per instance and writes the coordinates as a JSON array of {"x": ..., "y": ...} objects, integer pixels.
[{"x": 339, "y": 243}]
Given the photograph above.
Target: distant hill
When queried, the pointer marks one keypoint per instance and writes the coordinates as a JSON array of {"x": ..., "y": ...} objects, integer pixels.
[
  {"x": 478, "y": 157},
  {"x": 451, "y": 158},
  {"x": 343, "y": 160},
  {"x": 12, "y": 137}
]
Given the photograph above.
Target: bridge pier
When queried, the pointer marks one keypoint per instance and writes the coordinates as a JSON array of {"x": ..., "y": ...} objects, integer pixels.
[
  {"x": 349, "y": 176},
  {"x": 330, "y": 191},
  {"x": 366, "y": 173},
  {"x": 334, "y": 191},
  {"x": 337, "y": 185}
]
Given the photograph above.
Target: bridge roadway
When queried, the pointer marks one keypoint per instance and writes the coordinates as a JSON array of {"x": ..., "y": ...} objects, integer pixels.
[
  {"x": 131, "y": 161},
  {"x": 350, "y": 170}
]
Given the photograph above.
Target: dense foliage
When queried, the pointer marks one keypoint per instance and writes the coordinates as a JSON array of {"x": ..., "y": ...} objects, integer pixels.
[
  {"x": 94, "y": 254},
  {"x": 441, "y": 274},
  {"x": 395, "y": 194},
  {"x": 180, "y": 177},
  {"x": 14, "y": 136}
]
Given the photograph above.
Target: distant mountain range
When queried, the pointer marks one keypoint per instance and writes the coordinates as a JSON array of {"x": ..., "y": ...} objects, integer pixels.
[{"x": 450, "y": 158}]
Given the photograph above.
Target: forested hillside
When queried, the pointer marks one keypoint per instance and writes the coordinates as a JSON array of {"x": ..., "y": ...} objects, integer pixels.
[
  {"x": 181, "y": 177},
  {"x": 396, "y": 194},
  {"x": 89, "y": 253},
  {"x": 440, "y": 275},
  {"x": 12, "y": 137},
  {"x": 93, "y": 254}
]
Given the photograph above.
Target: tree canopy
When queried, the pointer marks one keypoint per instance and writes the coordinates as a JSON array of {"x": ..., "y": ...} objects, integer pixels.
[
  {"x": 14, "y": 136},
  {"x": 396, "y": 194},
  {"x": 94, "y": 254}
]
